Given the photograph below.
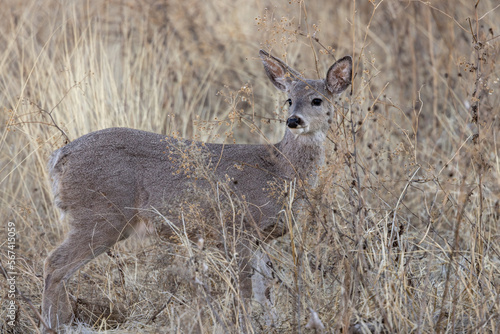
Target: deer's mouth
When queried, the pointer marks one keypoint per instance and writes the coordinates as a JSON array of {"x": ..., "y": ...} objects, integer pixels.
[{"x": 298, "y": 130}]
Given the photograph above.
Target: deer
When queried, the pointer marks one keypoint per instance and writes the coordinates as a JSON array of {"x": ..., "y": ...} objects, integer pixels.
[{"x": 109, "y": 182}]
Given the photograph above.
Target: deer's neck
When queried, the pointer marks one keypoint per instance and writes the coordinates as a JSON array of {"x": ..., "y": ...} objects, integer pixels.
[{"x": 302, "y": 155}]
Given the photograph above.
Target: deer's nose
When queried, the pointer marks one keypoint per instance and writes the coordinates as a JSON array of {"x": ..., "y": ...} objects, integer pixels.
[{"x": 293, "y": 122}]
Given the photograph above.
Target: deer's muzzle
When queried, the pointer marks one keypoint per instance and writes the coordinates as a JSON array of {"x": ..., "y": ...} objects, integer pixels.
[{"x": 294, "y": 122}]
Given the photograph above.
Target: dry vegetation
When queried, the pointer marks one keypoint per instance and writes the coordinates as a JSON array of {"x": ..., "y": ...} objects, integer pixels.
[{"x": 402, "y": 235}]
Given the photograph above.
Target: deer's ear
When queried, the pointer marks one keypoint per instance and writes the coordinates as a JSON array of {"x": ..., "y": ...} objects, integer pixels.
[
  {"x": 280, "y": 74},
  {"x": 339, "y": 76}
]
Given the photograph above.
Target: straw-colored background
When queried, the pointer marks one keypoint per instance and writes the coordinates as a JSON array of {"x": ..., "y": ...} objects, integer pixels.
[{"x": 405, "y": 233}]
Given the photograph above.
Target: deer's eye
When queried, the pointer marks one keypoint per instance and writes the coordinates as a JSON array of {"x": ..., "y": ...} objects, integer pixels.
[
  {"x": 316, "y": 102},
  {"x": 289, "y": 101}
]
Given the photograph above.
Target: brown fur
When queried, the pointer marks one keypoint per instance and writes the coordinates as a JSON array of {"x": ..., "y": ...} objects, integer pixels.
[{"x": 109, "y": 181}]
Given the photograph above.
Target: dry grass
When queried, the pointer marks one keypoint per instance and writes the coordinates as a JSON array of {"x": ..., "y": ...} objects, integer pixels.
[{"x": 401, "y": 236}]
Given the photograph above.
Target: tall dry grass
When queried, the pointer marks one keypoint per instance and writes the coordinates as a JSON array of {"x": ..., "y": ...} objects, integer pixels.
[{"x": 402, "y": 234}]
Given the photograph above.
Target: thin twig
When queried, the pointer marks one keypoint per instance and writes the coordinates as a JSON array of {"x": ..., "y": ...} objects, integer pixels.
[{"x": 4, "y": 273}]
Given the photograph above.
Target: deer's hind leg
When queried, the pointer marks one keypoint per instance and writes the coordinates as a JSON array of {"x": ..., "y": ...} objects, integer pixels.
[{"x": 86, "y": 240}]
